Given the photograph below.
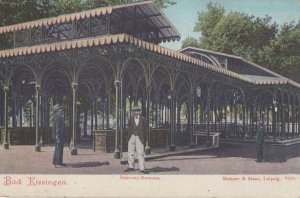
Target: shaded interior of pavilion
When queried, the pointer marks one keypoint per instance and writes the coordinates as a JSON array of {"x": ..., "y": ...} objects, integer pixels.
[{"x": 228, "y": 113}]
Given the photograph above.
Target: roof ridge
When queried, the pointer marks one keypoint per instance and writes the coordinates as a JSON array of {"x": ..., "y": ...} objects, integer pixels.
[
  {"x": 67, "y": 17},
  {"x": 125, "y": 38}
]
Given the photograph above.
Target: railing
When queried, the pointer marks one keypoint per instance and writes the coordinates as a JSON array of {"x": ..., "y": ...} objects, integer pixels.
[
  {"x": 105, "y": 139},
  {"x": 238, "y": 131},
  {"x": 27, "y": 136}
]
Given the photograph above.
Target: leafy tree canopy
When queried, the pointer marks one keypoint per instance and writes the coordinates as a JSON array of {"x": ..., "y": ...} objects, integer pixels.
[
  {"x": 283, "y": 54},
  {"x": 253, "y": 38},
  {"x": 190, "y": 41},
  {"x": 17, "y": 11}
]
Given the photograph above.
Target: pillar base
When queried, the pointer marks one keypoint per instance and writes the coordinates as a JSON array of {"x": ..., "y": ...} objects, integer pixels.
[
  {"x": 172, "y": 147},
  {"x": 74, "y": 151},
  {"x": 207, "y": 143},
  {"x": 192, "y": 145},
  {"x": 117, "y": 154},
  {"x": 123, "y": 161},
  {"x": 37, "y": 148},
  {"x": 71, "y": 145},
  {"x": 6, "y": 146},
  {"x": 147, "y": 150},
  {"x": 41, "y": 143}
]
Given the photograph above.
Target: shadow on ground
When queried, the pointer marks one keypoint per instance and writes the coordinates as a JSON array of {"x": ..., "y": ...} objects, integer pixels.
[
  {"x": 158, "y": 169},
  {"x": 242, "y": 150},
  {"x": 188, "y": 158},
  {"x": 87, "y": 164}
]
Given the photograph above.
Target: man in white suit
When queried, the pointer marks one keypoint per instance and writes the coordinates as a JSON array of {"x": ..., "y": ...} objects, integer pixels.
[{"x": 136, "y": 134}]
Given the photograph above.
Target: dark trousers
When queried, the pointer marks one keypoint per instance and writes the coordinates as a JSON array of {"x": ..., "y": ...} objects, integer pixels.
[
  {"x": 58, "y": 152},
  {"x": 259, "y": 148}
]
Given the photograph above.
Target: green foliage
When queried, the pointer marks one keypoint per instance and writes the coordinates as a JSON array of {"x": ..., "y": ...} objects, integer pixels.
[
  {"x": 101, "y": 3},
  {"x": 17, "y": 11},
  {"x": 253, "y": 38},
  {"x": 208, "y": 20},
  {"x": 283, "y": 54},
  {"x": 240, "y": 34},
  {"x": 190, "y": 42},
  {"x": 164, "y": 3},
  {"x": 58, "y": 7}
]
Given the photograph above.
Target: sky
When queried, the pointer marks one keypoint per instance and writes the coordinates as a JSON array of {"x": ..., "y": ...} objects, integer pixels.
[{"x": 183, "y": 14}]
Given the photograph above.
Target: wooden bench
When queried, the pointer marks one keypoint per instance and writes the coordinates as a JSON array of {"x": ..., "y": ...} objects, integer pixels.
[{"x": 213, "y": 136}]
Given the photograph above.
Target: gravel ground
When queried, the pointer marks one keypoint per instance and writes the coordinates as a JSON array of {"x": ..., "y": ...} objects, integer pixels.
[{"x": 227, "y": 159}]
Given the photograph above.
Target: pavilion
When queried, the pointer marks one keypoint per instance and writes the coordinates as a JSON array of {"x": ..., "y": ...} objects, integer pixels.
[{"x": 109, "y": 59}]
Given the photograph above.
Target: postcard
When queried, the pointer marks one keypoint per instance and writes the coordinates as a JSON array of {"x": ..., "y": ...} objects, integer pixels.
[{"x": 194, "y": 98}]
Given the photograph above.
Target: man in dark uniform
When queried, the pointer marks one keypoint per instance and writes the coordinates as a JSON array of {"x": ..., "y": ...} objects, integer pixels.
[
  {"x": 58, "y": 134},
  {"x": 260, "y": 137},
  {"x": 136, "y": 134}
]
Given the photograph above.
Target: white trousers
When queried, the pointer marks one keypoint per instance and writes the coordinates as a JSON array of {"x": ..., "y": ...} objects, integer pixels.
[{"x": 135, "y": 144}]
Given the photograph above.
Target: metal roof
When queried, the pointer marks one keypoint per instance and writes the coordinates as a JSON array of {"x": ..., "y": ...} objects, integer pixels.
[
  {"x": 255, "y": 79},
  {"x": 145, "y": 11},
  {"x": 124, "y": 38}
]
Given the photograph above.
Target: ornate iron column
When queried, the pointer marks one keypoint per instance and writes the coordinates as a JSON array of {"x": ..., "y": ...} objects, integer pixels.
[
  {"x": 43, "y": 112},
  {"x": 107, "y": 109},
  {"x": 74, "y": 126},
  {"x": 192, "y": 120},
  {"x": 117, "y": 150},
  {"x": 173, "y": 121},
  {"x": 121, "y": 120},
  {"x": 95, "y": 113},
  {"x": 21, "y": 114},
  {"x": 92, "y": 114},
  {"x": 148, "y": 149},
  {"x": 14, "y": 110},
  {"x": 208, "y": 117},
  {"x": 274, "y": 119},
  {"x": 156, "y": 111},
  {"x": 104, "y": 113},
  {"x": 298, "y": 117},
  {"x": 288, "y": 118},
  {"x": 6, "y": 143},
  {"x": 244, "y": 119},
  {"x": 1, "y": 111},
  {"x": 225, "y": 124},
  {"x": 293, "y": 117},
  {"x": 282, "y": 133},
  {"x": 37, "y": 110}
]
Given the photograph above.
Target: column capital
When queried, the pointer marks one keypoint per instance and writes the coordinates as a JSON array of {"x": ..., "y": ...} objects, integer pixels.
[
  {"x": 117, "y": 83},
  {"x": 148, "y": 88},
  {"x": 5, "y": 88},
  {"x": 74, "y": 85},
  {"x": 37, "y": 87}
]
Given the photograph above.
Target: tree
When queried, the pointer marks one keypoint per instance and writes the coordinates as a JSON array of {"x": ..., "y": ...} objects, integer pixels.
[
  {"x": 234, "y": 33},
  {"x": 207, "y": 21},
  {"x": 283, "y": 54},
  {"x": 240, "y": 34},
  {"x": 253, "y": 38},
  {"x": 17, "y": 11},
  {"x": 190, "y": 42}
]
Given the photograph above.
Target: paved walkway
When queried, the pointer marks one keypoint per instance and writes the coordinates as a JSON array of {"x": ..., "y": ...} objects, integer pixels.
[{"x": 227, "y": 159}]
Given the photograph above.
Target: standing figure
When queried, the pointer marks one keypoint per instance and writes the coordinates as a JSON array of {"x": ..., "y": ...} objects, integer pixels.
[
  {"x": 58, "y": 133},
  {"x": 259, "y": 139},
  {"x": 136, "y": 134}
]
